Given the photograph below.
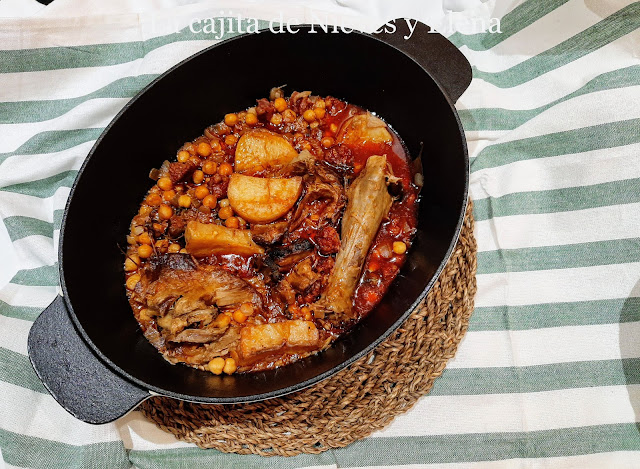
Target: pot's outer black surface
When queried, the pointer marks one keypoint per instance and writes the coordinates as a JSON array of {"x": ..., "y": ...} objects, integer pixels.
[{"x": 364, "y": 70}]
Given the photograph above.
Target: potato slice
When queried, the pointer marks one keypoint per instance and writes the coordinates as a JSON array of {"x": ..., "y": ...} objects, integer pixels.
[
  {"x": 262, "y": 200},
  {"x": 363, "y": 128},
  {"x": 262, "y": 338},
  {"x": 261, "y": 149},
  {"x": 204, "y": 239}
]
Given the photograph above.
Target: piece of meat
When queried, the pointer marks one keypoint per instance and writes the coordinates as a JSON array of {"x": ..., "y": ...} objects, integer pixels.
[
  {"x": 156, "y": 265},
  {"x": 297, "y": 247},
  {"x": 285, "y": 292},
  {"x": 257, "y": 340},
  {"x": 181, "y": 294},
  {"x": 286, "y": 263},
  {"x": 302, "y": 275},
  {"x": 200, "y": 354},
  {"x": 270, "y": 233},
  {"x": 265, "y": 109},
  {"x": 222, "y": 346},
  {"x": 177, "y": 226},
  {"x": 369, "y": 202},
  {"x": 198, "y": 336},
  {"x": 178, "y": 171},
  {"x": 175, "y": 276},
  {"x": 218, "y": 186},
  {"x": 340, "y": 156},
  {"x": 328, "y": 240},
  {"x": 202, "y": 316},
  {"x": 286, "y": 257},
  {"x": 188, "y": 304},
  {"x": 321, "y": 184}
]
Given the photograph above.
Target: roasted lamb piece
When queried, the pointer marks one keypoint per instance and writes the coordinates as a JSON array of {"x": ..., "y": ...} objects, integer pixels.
[{"x": 369, "y": 202}]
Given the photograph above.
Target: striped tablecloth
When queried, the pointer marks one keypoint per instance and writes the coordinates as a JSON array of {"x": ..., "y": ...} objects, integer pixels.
[{"x": 549, "y": 372}]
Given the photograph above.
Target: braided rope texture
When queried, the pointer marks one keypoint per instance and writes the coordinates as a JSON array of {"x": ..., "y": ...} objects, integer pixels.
[{"x": 357, "y": 401}]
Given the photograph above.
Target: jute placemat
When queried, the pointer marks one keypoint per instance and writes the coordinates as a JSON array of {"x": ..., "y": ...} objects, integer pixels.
[{"x": 357, "y": 401}]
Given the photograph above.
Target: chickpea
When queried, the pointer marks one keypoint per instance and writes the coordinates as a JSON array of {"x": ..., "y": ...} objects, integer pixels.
[
  {"x": 145, "y": 251},
  {"x": 154, "y": 199},
  {"x": 231, "y": 140},
  {"x": 320, "y": 104},
  {"x": 289, "y": 116},
  {"x": 145, "y": 210},
  {"x": 203, "y": 149},
  {"x": 168, "y": 196},
  {"x": 216, "y": 365},
  {"x": 225, "y": 212},
  {"x": 239, "y": 317},
  {"x": 183, "y": 156},
  {"x": 184, "y": 251},
  {"x": 309, "y": 115},
  {"x": 225, "y": 169},
  {"x": 175, "y": 247},
  {"x": 246, "y": 309},
  {"x": 201, "y": 192},
  {"x": 306, "y": 312},
  {"x": 165, "y": 212},
  {"x": 162, "y": 245},
  {"x": 209, "y": 167},
  {"x": 319, "y": 112},
  {"x": 215, "y": 145},
  {"x": 328, "y": 141},
  {"x": 130, "y": 263},
  {"x": 195, "y": 161},
  {"x": 251, "y": 119},
  {"x": 314, "y": 124},
  {"x": 184, "y": 201},
  {"x": 222, "y": 320},
  {"x": 132, "y": 281},
  {"x": 399, "y": 247},
  {"x": 333, "y": 128},
  {"x": 230, "y": 366},
  {"x": 231, "y": 119},
  {"x": 210, "y": 201},
  {"x": 232, "y": 222},
  {"x": 280, "y": 104},
  {"x": 224, "y": 203},
  {"x": 165, "y": 183},
  {"x": 144, "y": 238},
  {"x": 198, "y": 176},
  {"x": 276, "y": 119}
]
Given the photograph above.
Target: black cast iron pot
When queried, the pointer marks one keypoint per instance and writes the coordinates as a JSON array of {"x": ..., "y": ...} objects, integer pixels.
[{"x": 86, "y": 346}]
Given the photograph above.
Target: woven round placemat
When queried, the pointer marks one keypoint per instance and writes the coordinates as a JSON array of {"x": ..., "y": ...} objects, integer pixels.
[{"x": 355, "y": 402}]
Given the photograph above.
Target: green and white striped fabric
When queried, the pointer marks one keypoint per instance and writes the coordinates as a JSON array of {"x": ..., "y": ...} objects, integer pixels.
[{"x": 549, "y": 372}]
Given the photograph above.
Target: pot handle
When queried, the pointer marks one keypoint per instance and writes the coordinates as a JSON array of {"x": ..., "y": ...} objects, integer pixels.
[
  {"x": 435, "y": 54},
  {"x": 75, "y": 377}
]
